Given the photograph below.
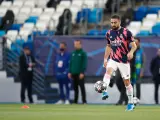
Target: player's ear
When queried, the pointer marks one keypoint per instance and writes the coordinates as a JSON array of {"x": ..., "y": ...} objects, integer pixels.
[{"x": 120, "y": 22}]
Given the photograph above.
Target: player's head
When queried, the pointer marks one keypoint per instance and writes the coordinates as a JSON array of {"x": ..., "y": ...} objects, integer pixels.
[
  {"x": 77, "y": 44},
  {"x": 62, "y": 46},
  {"x": 26, "y": 50},
  {"x": 137, "y": 41},
  {"x": 115, "y": 22},
  {"x": 158, "y": 52}
]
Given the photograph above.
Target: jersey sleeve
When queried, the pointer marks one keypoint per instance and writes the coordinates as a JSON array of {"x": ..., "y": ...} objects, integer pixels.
[
  {"x": 130, "y": 37},
  {"x": 107, "y": 38}
]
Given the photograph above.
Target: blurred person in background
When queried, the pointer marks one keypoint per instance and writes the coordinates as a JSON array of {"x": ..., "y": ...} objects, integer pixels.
[
  {"x": 61, "y": 71},
  {"x": 78, "y": 64},
  {"x": 137, "y": 68},
  {"x": 26, "y": 63},
  {"x": 155, "y": 70}
]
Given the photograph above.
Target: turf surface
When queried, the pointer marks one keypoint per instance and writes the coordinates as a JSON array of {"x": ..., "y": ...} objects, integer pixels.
[{"x": 77, "y": 112}]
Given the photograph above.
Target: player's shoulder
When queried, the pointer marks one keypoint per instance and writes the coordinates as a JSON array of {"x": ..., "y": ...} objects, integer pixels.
[
  {"x": 108, "y": 32},
  {"x": 126, "y": 30}
]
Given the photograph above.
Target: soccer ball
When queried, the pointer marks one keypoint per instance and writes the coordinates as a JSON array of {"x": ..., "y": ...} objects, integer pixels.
[
  {"x": 100, "y": 86},
  {"x": 136, "y": 100}
]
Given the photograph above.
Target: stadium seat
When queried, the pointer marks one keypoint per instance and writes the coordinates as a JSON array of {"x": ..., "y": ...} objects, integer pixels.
[
  {"x": 66, "y": 4},
  {"x": 25, "y": 10},
  {"x": 41, "y": 26},
  {"x": 28, "y": 26},
  {"x": 60, "y": 9},
  {"x": 18, "y": 4},
  {"x": 12, "y": 35},
  {"x": 77, "y": 3},
  {"x": 30, "y": 4},
  {"x": 156, "y": 29},
  {"x": 2, "y": 33},
  {"x": 153, "y": 10},
  {"x": 6, "y": 4},
  {"x": 135, "y": 24},
  {"x": 134, "y": 31},
  {"x": 93, "y": 32},
  {"x": 32, "y": 19},
  {"x": 20, "y": 42},
  {"x": 16, "y": 27},
  {"x": 49, "y": 11},
  {"x": 152, "y": 16},
  {"x": 140, "y": 13},
  {"x": 90, "y": 3},
  {"x": 74, "y": 10},
  {"x": 55, "y": 18},
  {"x": 143, "y": 33},
  {"x": 42, "y": 3},
  {"x": 147, "y": 25},
  {"x": 83, "y": 14},
  {"x": 24, "y": 33},
  {"x": 45, "y": 17},
  {"x": 3, "y": 11},
  {"x": 9, "y": 44},
  {"x": 95, "y": 16},
  {"x": 52, "y": 25},
  {"x": 21, "y": 18},
  {"x": 36, "y": 12}
]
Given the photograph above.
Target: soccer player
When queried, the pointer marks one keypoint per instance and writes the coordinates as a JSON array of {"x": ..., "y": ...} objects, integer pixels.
[{"x": 119, "y": 51}]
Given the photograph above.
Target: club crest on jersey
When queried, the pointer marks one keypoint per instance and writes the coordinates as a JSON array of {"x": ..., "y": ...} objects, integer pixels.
[{"x": 116, "y": 42}]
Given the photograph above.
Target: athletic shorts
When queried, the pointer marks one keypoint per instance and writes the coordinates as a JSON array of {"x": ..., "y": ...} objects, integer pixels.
[{"x": 124, "y": 68}]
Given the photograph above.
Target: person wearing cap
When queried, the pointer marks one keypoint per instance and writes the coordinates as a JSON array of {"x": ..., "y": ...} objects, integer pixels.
[{"x": 26, "y": 64}]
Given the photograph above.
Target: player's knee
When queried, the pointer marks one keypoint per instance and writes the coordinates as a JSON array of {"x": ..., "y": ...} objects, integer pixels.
[
  {"x": 127, "y": 82},
  {"x": 109, "y": 71}
]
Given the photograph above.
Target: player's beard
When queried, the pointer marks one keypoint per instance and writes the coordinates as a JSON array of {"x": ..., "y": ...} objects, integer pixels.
[{"x": 115, "y": 28}]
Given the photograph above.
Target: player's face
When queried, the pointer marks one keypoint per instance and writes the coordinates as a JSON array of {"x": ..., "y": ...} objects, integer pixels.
[
  {"x": 137, "y": 42},
  {"x": 115, "y": 24},
  {"x": 77, "y": 44},
  {"x": 27, "y": 51},
  {"x": 62, "y": 46},
  {"x": 158, "y": 52}
]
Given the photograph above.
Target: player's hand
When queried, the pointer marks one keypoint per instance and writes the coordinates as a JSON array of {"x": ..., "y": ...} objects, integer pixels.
[
  {"x": 141, "y": 74},
  {"x": 130, "y": 55},
  {"x": 105, "y": 63},
  {"x": 69, "y": 75},
  {"x": 81, "y": 76}
]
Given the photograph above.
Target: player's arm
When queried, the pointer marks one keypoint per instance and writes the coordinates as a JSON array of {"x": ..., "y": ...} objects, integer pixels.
[
  {"x": 106, "y": 55},
  {"x": 133, "y": 45},
  {"x": 107, "y": 51}
]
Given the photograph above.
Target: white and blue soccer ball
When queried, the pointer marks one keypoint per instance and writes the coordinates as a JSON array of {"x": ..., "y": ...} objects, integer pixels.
[
  {"x": 136, "y": 100},
  {"x": 100, "y": 86}
]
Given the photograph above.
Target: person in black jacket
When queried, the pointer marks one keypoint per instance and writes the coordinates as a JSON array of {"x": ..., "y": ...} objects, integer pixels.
[
  {"x": 7, "y": 20},
  {"x": 26, "y": 63},
  {"x": 155, "y": 70}
]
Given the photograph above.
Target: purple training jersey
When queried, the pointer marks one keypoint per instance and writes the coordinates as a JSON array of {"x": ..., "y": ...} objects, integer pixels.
[{"x": 119, "y": 41}]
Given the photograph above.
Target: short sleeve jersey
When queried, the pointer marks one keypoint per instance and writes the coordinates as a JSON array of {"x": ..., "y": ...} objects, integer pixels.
[{"x": 119, "y": 40}]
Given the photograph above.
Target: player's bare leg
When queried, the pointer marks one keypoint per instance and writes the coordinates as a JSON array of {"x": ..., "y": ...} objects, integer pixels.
[
  {"x": 106, "y": 79},
  {"x": 129, "y": 90}
]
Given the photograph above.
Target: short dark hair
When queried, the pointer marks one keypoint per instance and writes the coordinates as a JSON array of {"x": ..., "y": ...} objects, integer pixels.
[
  {"x": 137, "y": 38},
  {"x": 116, "y": 17},
  {"x": 78, "y": 41},
  {"x": 64, "y": 43}
]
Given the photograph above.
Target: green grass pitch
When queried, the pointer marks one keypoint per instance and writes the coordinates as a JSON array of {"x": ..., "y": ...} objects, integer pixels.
[{"x": 77, "y": 112}]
